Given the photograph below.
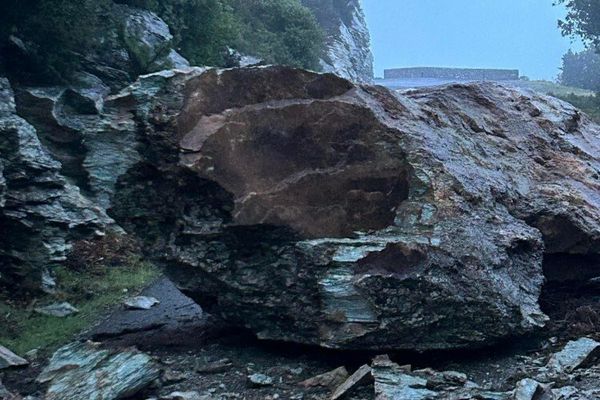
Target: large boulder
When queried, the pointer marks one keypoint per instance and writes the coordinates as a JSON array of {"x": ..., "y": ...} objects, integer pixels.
[
  {"x": 40, "y": 212},
  {"x": 308, "y": 209}
]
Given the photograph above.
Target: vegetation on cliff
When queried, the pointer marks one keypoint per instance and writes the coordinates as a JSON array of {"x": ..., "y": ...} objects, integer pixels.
[
  {"x": 582, "y": 69},
  {"x": 56, "y": 33},
  {"x": 582, "y": 20},
  {"x": 279, "y": 31}
]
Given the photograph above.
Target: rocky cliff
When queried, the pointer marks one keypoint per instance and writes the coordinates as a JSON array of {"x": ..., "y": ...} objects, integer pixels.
[
  {"x": 41, "y": 212},
  {"x": 61, "y": 153},
  {"x": 348, "y": 52}
]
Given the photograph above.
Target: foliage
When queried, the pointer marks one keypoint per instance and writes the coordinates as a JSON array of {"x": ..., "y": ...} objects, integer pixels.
[
  {"x": 581, "y": 70},
  {"x": 551, "y": 88},
  {"x": 329, "y": 12},
  {"x": 109, "y": 250},
  {"x": 58, "y": 29},
  {"x": 583, "y": 20},
  {"x": 278, "y": 31},
  {"x": 201, "y": 28},
  {"x": 93, "y": 289},
  {"x": 588, "y": 104}
]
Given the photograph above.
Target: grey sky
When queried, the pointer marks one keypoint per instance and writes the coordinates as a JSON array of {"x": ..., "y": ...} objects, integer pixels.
[{"x": 519, "y": 34}]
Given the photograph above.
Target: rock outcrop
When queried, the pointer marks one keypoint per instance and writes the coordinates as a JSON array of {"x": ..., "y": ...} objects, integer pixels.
[
  {"x": 348, "y": 41},
  {"x": 132, "y": 42},
  {"x": 85, "y": 133},
  {"x": 137, "y": 42},
  {"x": 86, "y": 371},
  {"x": 40, "y": 211},
  {"x": 309, "y": 209}
]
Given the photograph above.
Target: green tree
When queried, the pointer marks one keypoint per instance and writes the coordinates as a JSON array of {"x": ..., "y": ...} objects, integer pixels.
[
  {"x": 583, "y": 20},
  {"x": 581, "y": 70},
  {"x": 56, "y": 30},
  {"x": 202, "y": 29},
  {"x": 278, "y": 31}
]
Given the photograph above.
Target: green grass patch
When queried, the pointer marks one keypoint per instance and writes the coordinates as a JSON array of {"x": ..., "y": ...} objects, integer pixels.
[
  {"x": 586, "y": 100},
  {"x": 588, "y": 104},
  {"x": 554, "y": 89},
  {"x": 94, "y": 292}
]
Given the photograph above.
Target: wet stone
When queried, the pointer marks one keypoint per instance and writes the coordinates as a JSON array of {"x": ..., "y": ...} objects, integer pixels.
[
  {"x": 8, "y": 359},
  {"x": 259, "y": 380},
  {"x": 86, "y": 371},
  {"x": 576, "y": 354},
  {"x": 329, "y": 379},
  {"x": 59, "y": 310},
  {"x": 141, "y": 302}
]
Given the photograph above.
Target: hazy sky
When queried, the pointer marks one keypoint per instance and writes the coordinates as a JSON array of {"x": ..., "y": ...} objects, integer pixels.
[{"x": 519, "y": 34}]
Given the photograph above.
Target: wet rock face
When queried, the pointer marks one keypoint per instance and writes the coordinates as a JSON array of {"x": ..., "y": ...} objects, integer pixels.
[
  {"x": 86, "y": 371},
  {"x": 40, "y": 212},
  {"x": 348, "y": 41},
  {"x": 308, "y": 209}
]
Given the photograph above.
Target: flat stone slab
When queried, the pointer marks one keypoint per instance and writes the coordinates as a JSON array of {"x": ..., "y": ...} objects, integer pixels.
[
  {"x": 9, "y": 359},
  {"x": 576, "y": 354},
  {"x": 87, "y": 371},
  {"x": 174, "y": 312},
  {"x": 59, "y": 310}
]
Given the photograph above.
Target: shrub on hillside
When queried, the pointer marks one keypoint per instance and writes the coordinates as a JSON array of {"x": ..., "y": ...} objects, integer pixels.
[
  {"x": 581, "y": 70},
  {"x": 54, "y": 30},
  {"x": 202, "y": 29},
  {"x": 278, "y": 31},
  {"x": 106, "y": 251}
]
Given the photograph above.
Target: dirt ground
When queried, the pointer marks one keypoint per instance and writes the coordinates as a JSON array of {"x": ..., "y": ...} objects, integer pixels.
[{"x": 200, "y": 354}]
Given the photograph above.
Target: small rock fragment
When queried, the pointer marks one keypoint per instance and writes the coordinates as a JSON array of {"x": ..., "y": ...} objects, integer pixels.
[
  {"x": 32, "y": 355},
  {"x": 141, "y": 302},
  {"x": 357, "y": 377},
  {"x": 59, "y": 310},
  {"x": 8, "y": 359},
  {"x": 392, "y": 382},
  {"x": 259, "y": 380},
  {"x": 455, "y": 377},
  {"x": 576, "y": 354},
  {"x": 170, "y": 377},
  {"x": 528, "y": 389},
  {"x": 329, "y": 379},
  {"x": 595, "y": 282}
]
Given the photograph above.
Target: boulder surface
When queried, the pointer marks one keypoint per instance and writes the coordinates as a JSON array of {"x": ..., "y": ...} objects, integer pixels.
[{"x": 309, "y": 209}]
